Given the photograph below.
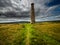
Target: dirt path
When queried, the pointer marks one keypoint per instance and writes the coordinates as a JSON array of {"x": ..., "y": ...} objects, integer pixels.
[{"x": 28, "y": 33}]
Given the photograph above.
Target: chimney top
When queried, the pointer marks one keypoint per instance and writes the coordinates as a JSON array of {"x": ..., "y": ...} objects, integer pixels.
[{"x": 32, "y": 3}]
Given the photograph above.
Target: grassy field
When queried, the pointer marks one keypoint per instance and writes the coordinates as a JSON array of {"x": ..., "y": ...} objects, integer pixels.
[{"x": 44, "y": 33}]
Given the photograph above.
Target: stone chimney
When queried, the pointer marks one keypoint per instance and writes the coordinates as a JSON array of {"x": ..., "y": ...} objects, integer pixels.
[{"x": 32, "y": 13}]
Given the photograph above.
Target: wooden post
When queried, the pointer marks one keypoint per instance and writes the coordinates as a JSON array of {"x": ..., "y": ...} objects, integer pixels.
[{"x": 32, "y": 14}]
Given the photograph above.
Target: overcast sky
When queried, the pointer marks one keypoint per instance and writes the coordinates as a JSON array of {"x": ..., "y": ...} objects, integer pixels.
[{"x": 43, "y": 8}]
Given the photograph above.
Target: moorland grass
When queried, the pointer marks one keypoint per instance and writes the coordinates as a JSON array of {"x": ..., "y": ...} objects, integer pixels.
[{"x": 44, "y": 33}]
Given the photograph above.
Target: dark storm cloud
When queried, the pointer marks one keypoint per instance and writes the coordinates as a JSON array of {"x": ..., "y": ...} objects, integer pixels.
[
  {"x": 4, "y": 3},
  {"x": 22, "y": 8}
]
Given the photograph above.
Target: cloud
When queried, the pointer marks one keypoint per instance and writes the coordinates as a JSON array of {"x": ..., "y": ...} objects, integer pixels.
[
  {"x": 22, "y": 7},
  {"x": 53, "y": 11}
]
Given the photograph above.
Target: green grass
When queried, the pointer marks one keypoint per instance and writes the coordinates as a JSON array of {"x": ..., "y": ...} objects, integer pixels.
[{"x": 45, "y": 33}]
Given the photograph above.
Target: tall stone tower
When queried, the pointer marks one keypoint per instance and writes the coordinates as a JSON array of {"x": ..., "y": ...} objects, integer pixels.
[{"x": 32, "y": 13}]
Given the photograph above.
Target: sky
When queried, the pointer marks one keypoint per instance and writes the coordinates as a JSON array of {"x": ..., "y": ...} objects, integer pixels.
[{"x": 44, "y": 9}]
